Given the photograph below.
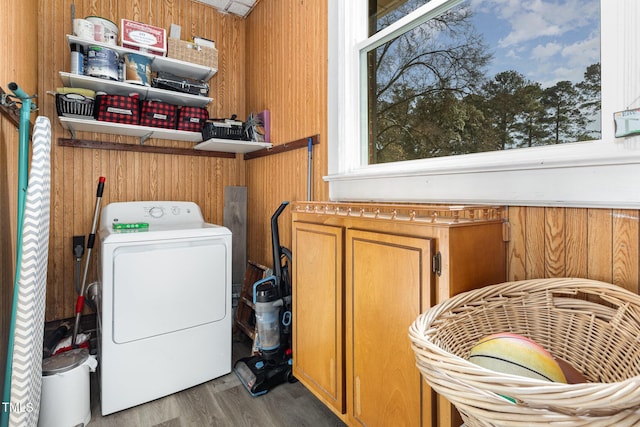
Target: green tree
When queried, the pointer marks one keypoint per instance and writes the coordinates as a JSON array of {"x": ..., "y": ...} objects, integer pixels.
[
  {"x": 530, "y": 127},
  {"x": 565, "y": 120},
  {"x": 502, "y": 105},
  {"x": 428, "y": 95},
  {"x": 440, "y": 61},
  {"x": 589, "y": 91}
]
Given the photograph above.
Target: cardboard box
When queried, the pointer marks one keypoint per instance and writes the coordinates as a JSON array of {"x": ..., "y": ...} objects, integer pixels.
[{"x": 143, "y": 37}]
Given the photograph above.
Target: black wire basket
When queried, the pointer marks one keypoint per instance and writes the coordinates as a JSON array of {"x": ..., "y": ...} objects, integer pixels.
[
  {"x": 222, "y": 130},
  {"x": 74, "y": 105}
]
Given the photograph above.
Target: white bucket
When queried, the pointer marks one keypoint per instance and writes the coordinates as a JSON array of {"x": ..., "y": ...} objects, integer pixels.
[
  {"x": 137, "y": 69},
  {"x": 104, "y": 31},
  {"x": 83, "y": 29},
  {"x": 102, "y": 62},
  {"x": 66, "y": 394}
]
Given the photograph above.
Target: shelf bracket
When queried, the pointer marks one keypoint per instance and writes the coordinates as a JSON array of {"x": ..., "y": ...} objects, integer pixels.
[
  {"x": 281, "y": 148},
  {"x": 144, "y": 138},
  {"x": 73, "y": 132}
]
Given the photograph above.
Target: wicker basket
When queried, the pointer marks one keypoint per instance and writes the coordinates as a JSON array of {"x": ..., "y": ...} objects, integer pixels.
[
  {"x": 191, "y": 52},
  {"x": 595, "y": 326}
]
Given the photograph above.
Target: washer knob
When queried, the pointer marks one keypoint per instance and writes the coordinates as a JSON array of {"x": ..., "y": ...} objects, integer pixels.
[{"x": 156, "y": 212}]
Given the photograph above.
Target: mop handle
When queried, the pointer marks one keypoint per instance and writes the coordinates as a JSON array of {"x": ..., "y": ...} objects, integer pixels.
[
  {"x": 90, "y": 242},
  {"x": 92, "y": 236}
]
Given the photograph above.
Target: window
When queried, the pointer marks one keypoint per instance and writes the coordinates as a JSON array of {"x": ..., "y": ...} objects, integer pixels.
[
  {"x": 481, "y": 77},
  {"x": 455, "y": 160}
]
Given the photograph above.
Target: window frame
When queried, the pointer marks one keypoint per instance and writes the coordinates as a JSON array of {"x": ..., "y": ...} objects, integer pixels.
[{"x": 601, "y": 173}]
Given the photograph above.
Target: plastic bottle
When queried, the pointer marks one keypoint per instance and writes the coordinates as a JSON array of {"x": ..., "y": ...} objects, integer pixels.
[{"x": 77, "y": 59}]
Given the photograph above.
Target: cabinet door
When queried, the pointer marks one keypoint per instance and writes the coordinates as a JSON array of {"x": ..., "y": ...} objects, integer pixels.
[
  {"x": 318, "y": 360},
  {"x": 388, "y": 283}
]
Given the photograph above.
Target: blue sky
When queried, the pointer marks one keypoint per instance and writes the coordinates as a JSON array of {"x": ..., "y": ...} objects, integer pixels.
[{"x": 545, "y": 40}]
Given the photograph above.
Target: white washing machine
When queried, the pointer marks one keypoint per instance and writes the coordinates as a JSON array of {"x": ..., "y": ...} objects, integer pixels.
[{"x": 164, "y": 316}]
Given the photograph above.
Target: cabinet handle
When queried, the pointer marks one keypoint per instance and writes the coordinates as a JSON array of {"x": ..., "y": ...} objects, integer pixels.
[{"x": 437, "y": 263}]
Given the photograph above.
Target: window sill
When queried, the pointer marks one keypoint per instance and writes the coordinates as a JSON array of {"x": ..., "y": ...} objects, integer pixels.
[{"x": 593, "y": 174}]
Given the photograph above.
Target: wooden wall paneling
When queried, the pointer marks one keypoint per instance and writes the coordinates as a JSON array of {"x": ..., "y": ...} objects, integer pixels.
[
  {"x": 599, "y": 244},
  {"x": 136, "y": 176},
  {"x": 193, "y": 166},
  {"x": 175, "y": 185},
  {"x": 516, "y": 249},
  {"x": 576, "y": 242},
  {"x": 150, "y": 163},
  {"x": 8, "y": 190},
  {"x": 7, "y": 233},
  {"x": 207, "y": 193},
  {"x": 286, "y": 73},
  {"x": 132, "y": 176},
  {"x": 281, "y": 181},
  {"x": 554, "y": 242},
  {"x": 626, "y": 255},
  {"x": 8, "y": 156},
  {"x": 534, "y": 241},
  {"x": 19, "y": 47},
  {"x": 284, "y": 44}
]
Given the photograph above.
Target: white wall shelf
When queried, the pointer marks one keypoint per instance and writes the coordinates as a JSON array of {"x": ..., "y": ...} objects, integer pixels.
[
  {"x": 113, "y": 87},
  {"x": 231, "y": 146},
  {"x": 158, "y": 62},
  {"x": 145, "y": 132}
]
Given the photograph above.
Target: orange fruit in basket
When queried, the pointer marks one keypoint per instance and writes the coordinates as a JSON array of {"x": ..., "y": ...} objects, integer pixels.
[{"x": 517, "y": 355}]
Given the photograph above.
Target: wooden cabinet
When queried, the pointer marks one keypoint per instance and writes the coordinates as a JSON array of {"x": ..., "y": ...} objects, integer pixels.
[
  {"x": 362, "y": 274},
  {"x": 388, "y": 284},
  {"x": 318, "y": 317}
]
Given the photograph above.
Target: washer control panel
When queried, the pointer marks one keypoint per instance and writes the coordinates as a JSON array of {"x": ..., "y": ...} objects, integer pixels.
[{"x": 166, "y": 213}]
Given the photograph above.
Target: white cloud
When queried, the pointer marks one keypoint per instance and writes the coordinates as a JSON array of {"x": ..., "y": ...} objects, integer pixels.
[
  {"x": 547, "y": 40},
  {"x": 530, "y": 20},
  {"x": 512, "y": 53},
  {"x": 545, "y": 51},
  {"x": 585, "y": 50},
  {"x": 570, "y": 62}
]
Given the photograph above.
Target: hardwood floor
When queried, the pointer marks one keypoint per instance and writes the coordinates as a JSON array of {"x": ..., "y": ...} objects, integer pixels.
[{"x": 222, "y": 402}]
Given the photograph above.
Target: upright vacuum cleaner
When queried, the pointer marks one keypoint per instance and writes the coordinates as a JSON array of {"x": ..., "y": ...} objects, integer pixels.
[{"x": 272, "y": 301}]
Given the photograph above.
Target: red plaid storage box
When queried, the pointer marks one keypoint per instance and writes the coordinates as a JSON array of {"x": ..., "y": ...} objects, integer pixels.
[
  {"x": 158, "y": 114},
  {"x": 117, "y": 109},
  {"x": 192, "y": 119}
]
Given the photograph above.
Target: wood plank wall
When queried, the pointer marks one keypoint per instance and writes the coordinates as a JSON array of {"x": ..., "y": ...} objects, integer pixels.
[
  {"x": 132, "y": 175},
  {"x": 599, "y": 244},
  {"x": 17, "y": 65},
  {"x": 286, "y": 74},
  {"x": 274, "y": 59}
]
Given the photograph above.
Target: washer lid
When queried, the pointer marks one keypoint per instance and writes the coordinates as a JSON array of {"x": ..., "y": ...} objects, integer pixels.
[
  {"x": 157, "y": 233},
  {"x": 64, "y": 362},
  {"x": 157, "y": 220}
]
